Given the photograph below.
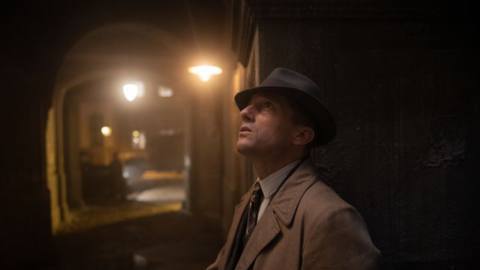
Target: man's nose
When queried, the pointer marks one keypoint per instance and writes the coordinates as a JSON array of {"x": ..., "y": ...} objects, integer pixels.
[{"x": 246, "y": 114}]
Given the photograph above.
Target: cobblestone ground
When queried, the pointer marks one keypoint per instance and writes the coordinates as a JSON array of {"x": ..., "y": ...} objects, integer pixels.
[{"x": 170, "y": 241}]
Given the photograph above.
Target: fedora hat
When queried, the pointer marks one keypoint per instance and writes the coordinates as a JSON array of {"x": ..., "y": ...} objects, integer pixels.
[{"x": 303, "y": 91}]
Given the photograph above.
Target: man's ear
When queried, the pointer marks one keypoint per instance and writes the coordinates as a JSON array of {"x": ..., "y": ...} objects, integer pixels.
[{"x": 303, "y": 135}]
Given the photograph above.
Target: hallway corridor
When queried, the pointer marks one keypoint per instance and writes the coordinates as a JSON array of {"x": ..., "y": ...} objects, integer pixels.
[{"x": 166, "y": 241}]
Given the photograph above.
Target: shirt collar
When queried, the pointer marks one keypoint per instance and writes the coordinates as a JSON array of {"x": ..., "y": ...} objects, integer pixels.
[{"x": 273, "y": 181}]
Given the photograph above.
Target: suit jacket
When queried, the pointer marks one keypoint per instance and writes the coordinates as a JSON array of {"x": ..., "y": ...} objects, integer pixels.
[{"x": 306, "y": 226}]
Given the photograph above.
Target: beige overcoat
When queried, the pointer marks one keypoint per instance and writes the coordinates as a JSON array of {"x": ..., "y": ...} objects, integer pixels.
[{"x": 306, "y": 226}]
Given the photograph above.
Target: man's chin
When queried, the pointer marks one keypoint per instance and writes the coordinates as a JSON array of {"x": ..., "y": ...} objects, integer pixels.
[{"x": 243, "y": 148}]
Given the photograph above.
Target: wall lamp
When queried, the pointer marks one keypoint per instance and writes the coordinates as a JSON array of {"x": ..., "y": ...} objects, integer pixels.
[{"x": 205, "y": 72}]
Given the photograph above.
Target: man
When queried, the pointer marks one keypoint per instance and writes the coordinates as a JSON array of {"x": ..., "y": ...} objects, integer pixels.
[{"x": 290, "y": 219}]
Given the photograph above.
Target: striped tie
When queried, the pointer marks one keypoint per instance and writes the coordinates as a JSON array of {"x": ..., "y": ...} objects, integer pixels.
[{"x": 253, "y": 207}]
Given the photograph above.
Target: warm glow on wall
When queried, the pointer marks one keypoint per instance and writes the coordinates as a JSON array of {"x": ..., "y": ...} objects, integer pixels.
[
  {"x": 106, "y": 131},
  {"x": 205, "y": 72},
  {"x": 165, "y": 92}
]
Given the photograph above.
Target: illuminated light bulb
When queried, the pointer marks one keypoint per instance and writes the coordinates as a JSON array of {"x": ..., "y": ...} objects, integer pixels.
[
  {"x": 106, "y": 131},
  {"x": 204, "y": 77},
  {"x": 133, "y": 90},
  {"x": 130, "y": 91}
]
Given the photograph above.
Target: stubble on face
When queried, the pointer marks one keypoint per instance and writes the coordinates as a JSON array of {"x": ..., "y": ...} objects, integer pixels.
[{"x": 265, "y": 127}]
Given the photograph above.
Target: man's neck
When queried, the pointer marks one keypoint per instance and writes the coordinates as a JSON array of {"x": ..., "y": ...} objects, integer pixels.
[{"x": 265, "y": 167}]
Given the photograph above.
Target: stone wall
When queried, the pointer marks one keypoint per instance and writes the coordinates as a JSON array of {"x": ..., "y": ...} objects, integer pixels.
[{"x": 401, "y": 83}]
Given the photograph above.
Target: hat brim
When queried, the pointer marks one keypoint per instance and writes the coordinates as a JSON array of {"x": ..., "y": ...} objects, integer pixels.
[{"x": 325, "y": 125}]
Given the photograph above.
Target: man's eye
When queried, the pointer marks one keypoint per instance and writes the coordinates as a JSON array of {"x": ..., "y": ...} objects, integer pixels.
[{"x": 267, "y": 105}]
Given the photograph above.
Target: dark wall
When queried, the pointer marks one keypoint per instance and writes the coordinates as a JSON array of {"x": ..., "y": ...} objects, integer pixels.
[
  {"x": 403, "y": 93},
  {"x": 24, "y": 199}
]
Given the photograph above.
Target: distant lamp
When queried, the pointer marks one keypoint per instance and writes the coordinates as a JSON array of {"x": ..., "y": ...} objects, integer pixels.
[
  {"x": 139, "y": 139},
  {"x": 106, "y": 131},
  {"x": 205, "y": 72},
  {"x": 133, "y": 90},
  {"x": 165, "y": 92}
]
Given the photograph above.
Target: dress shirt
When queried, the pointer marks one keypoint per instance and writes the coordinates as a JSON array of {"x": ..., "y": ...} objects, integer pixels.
[{"x": 271, "y": 183}]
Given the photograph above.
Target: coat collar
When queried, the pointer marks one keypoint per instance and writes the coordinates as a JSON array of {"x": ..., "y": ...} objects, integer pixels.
[{"x": 285, "y": 202}]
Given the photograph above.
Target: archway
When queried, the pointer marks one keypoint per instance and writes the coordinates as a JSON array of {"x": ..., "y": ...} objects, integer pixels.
[{"x": 88, "y": 97}]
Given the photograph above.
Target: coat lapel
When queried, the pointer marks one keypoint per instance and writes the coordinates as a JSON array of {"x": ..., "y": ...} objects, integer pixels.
[
  {"x": 237, "y": 215},
  {"x": 265, "y": 231}
]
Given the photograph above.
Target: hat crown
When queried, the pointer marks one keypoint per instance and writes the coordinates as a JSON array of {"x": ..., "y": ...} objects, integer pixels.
[{"x": 286, "y": 78}]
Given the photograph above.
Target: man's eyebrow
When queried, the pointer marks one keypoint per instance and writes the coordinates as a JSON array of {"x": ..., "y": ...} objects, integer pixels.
[
  {"x": 270, "y": 98},
  {"x": 265, "y": 100}
]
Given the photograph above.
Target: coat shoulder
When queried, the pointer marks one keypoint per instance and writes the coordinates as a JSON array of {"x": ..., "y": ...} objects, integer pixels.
[
  {"x": 336, "y": 236},
  {"x": 322, "y": 206},
  {"x": 320, "y": 199}
]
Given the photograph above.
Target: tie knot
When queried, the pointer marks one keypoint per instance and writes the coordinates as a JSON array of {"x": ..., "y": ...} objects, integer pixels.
[
  {"x": 257, "y": 190},
  {"x": 257, "y": 193}
]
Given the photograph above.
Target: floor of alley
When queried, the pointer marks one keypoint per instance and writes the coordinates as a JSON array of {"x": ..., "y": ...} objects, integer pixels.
[{"x": 171, "y": 240}]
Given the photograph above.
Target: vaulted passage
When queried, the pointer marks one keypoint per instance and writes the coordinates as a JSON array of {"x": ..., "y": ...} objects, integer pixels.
[{"x": 120, "y": 149}]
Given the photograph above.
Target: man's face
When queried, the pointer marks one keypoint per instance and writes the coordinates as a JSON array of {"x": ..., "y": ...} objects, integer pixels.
[{"x": 266, "y": 126}]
